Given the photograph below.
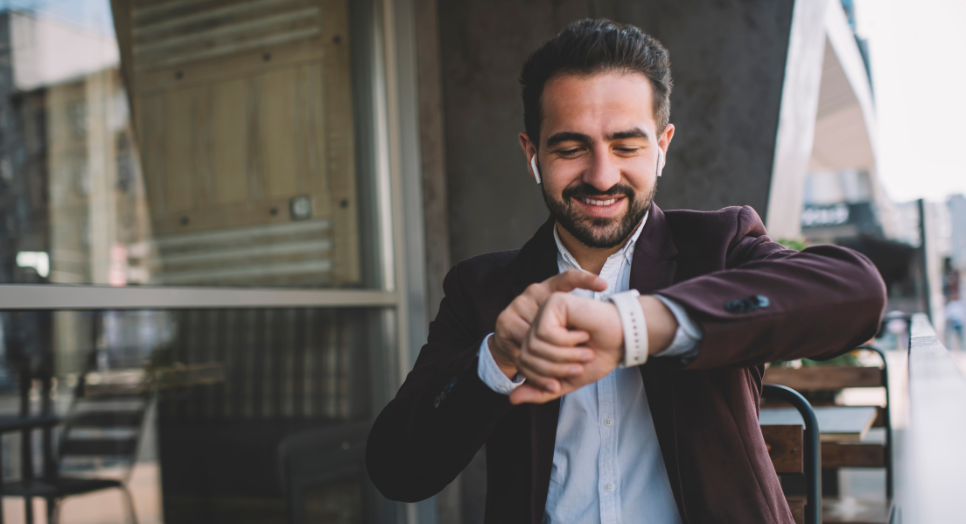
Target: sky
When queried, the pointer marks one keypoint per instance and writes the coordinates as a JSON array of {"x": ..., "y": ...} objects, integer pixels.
[
  {"x": 88, "y": 14},
  {"x": 918, "y": 60}
]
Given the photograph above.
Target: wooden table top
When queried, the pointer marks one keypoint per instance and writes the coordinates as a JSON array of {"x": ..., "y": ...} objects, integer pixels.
[{"x": 835, "y": 423}]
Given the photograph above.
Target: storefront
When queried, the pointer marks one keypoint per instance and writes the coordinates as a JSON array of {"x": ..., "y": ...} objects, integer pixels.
[{"x": 207, "y": 242}]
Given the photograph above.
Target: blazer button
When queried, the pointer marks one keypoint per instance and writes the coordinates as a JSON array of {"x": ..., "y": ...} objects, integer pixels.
[{"x": 736, "y": 306}]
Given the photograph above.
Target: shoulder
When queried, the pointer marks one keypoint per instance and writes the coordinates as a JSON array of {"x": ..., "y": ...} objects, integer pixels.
[
  {"x": 477, "y": 274},
  {"x": 719, "y": 239},
  {"x": 476, "y": 289},
  {"x": 729, "y": 222}
]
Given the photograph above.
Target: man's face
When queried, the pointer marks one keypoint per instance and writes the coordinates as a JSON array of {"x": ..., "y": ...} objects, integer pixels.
[{"x": 598, "y": 154}]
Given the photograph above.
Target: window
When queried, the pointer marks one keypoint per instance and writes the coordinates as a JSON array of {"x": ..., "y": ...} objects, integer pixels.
[
  {"x": 209, "y": 144},
  {"x": 199, "y": 255}
]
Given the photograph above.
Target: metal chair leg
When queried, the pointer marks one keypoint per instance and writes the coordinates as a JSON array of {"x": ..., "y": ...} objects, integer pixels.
[
  {"x": 52, "y": 511},
  {"x": 129, "y": 503},
  {"x": 812, "y": 452}
]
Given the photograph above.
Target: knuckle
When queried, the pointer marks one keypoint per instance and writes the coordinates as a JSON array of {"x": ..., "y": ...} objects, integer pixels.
[
  {"x": 542, "y": 329},
  {"x": 505, "y": 318}
]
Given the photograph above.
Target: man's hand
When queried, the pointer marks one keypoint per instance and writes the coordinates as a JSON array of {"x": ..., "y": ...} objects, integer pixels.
[
  {"x": 514, "y": 322},
  {"x": 565, "y": 324}
]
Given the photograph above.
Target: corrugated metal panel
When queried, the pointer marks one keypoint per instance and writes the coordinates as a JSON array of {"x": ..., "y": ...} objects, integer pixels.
[
  {"x": 172, "y": 33},
  {"x": 286, "y": 253}
]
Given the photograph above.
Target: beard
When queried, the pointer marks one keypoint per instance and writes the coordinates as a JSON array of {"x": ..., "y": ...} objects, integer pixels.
[{"x": 598, "y": 232}]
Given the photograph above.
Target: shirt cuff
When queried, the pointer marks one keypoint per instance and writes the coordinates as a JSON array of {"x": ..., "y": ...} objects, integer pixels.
[
  {"x": 491, "y": 374},
  {"x": 687, "y": 338}
]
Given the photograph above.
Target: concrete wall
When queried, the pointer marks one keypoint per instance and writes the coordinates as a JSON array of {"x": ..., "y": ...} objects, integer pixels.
[
  {"x": 493, "y": 203},
  {"x": 728, "y": 61}
]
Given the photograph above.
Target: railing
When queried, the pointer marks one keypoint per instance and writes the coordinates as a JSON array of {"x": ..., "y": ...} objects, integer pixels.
[{"x": 931, "y": 436}]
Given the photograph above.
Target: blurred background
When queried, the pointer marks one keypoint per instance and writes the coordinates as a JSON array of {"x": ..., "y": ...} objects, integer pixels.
[{"x": 224, "y": 224}]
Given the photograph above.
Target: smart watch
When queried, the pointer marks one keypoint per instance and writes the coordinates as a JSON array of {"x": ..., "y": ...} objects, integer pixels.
[{"x": 635, "y": 328}]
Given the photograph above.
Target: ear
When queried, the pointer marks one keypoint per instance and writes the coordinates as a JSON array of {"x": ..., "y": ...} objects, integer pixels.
[
  {"x": 663, "y": 142},
  {"x": 530, "y": 152}
]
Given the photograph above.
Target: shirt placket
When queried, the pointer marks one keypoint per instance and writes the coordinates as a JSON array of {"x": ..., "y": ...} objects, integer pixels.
[
  {"x": 609, "y": 473},
  {"x": 607, "y": 483}
]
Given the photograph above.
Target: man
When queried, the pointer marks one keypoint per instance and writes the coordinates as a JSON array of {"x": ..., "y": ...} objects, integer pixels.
[{"x": 526, "y": 357}]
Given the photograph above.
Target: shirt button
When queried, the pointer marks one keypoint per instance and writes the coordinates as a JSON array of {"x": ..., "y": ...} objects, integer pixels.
[
  {"x": 608, "y": 487},
  {"x": 608, "y": 422}
]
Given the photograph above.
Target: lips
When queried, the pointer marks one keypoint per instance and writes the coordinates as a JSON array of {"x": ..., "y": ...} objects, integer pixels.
[
  {"x": 601, "y": 207},
  {"x": 597, "y": 202}
]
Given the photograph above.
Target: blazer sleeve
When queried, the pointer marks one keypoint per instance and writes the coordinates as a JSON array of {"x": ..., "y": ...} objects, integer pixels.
[
  {"x": 773, "y": 303},
  {"x": 442, "y": 414}
]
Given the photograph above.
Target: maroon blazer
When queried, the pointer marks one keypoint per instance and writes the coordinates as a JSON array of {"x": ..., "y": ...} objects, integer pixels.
[{"x": 820, "y": 303}]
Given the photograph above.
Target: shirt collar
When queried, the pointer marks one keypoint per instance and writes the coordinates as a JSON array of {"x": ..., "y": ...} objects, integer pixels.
[{"x": 627, "y": 251}]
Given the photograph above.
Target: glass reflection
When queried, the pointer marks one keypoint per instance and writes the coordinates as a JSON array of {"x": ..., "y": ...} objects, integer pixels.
[
  {"x": 202, "y": 415},
  {"x": 180, "y": 143}
]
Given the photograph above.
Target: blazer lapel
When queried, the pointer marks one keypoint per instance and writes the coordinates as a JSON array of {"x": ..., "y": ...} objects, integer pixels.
[
  {"x": 537, "y": 262},
  {"x": 654, "y": 261},
  {"x": 653, "y": 268}
]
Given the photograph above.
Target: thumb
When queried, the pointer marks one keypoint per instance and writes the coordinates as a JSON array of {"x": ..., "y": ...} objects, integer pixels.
[
  {"x": 527, "y": 394},
  {"x": 576, "y": 279}
]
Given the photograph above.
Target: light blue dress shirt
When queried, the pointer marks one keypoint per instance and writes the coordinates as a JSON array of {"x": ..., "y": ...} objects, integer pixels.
[{"x": 607, "y": 463}]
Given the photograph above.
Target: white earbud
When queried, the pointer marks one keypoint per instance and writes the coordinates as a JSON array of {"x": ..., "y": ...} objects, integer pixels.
[
  {"x": 660, "y": 167},
  {"x": 533, "y": 164}
]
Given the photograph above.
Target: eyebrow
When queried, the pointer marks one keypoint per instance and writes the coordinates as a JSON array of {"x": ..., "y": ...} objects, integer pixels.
[
  {"x": 632, "y": 133},
  {"x": 567, "y": 136}
]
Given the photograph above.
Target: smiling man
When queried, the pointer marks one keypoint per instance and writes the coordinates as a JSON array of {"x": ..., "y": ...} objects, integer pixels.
[{"x": 542, "y": 353}]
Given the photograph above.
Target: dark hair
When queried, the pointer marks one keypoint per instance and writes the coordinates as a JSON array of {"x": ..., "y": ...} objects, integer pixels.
[{"x": 588, "y": 47}]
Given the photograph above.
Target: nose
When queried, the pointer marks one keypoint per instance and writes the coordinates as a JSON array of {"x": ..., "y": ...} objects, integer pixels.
[{"x": 603, "y": 173}]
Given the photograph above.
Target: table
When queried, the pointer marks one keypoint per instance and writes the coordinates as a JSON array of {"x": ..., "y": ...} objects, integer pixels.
[
  {"x": 10, "y": 423},
  {"x": 835, "y": 423}
]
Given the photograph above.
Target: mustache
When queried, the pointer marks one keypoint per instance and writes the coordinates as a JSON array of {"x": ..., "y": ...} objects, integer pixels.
[{"x": 587, "y": 190}]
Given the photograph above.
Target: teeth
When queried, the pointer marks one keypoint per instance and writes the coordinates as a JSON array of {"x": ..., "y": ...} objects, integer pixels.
[{"x": 598, "y": 202}]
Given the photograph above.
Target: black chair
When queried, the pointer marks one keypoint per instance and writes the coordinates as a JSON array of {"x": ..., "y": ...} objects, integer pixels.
[
  {"x": 812, "y": 449},
  {"x": 316, "y": 457},
  {"x": 835, "y": 455},
  {"x": 103, "y": 427}
]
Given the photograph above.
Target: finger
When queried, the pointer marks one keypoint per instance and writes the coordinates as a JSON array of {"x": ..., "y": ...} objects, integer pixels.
[
  {"x": 575, "y": 279},
  {"x": 516, "y": 329},
  {"x": 550, "y": 330},
  {"x": 561, "y": 354},
  {"x": 547, "y": 368},
  {"x": 543, "y": 382},
  {"x": 527, "y": 394},
  {"x": 526, "y": 306}
]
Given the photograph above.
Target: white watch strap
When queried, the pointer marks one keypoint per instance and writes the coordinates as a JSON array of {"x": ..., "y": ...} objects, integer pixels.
[{"x": 635, "y": 329}]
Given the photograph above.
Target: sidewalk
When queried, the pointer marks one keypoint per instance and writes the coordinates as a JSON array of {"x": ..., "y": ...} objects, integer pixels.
[{"x": 104, "y": 507}]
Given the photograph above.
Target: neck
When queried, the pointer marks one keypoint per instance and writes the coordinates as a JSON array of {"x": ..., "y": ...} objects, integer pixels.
[{"x": 590, "y": 259}]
